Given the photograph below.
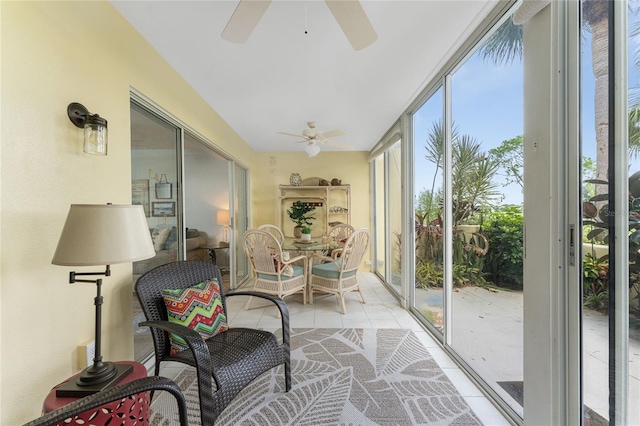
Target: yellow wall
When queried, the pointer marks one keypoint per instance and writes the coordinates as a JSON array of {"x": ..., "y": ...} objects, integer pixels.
[
  {"x": 273, "y": 169},
  {"x": 54, "y": 53}
]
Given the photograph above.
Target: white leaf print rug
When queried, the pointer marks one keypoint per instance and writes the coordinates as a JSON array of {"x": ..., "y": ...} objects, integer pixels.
[{"x": 350, "y": 376}]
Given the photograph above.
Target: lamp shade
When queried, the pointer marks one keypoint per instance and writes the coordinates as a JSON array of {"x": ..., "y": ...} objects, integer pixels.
[
  {"x": 103, "y": 234},
  {"x": 222, "y": 217}
]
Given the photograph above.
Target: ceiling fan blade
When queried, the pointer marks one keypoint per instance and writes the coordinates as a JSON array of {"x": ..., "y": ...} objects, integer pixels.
[
  {"x": 337, "y": 144},
  {"x": 354, "y": 22},
  {"x": 291, "y": 134},
  {"x": 244, "y": 20},
  {"x": 331, "y": 134}
]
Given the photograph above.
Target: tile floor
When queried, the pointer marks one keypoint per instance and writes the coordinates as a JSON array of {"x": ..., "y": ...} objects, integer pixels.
[{"x": 382, "y": 310}]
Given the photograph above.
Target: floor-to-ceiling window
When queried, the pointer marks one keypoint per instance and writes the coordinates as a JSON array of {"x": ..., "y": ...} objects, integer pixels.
[
  {"x": 467, "y": 242},
  {"x": 610, "y": 141},
  {"x": 394, "y": 206},
  {"x": 387, "y": 204},
  {"x": 379, "y": 217},
  {"x": 428, "y": 143},
  {"x": 486, "y": 213}
]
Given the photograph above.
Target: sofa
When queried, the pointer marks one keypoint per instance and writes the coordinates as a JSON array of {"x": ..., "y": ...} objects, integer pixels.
[{"x": 166, "y": 245}]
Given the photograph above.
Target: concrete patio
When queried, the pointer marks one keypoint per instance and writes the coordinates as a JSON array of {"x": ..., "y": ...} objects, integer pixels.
[{"x": 487, "y": 334}]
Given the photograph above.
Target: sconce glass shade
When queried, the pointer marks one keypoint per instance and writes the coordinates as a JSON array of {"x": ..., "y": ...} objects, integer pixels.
[
  {"x": 95, "y": 135},
  {"x": 312, "y": 149},
  {"x": 95, "y": 128}
]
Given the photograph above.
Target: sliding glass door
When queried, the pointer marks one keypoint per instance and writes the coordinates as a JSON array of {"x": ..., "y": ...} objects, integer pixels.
[
  {"x": 467, "y": 170},
  {"x": 610, "y": 145},
  {"x": 155, "y": 150},
  {"x": 195, "y": 197}
]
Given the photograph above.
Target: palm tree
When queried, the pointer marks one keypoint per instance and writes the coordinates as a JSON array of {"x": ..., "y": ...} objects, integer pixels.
[
  {"x": 472, "y": 171},
  {"x": 505, "y": 45}
]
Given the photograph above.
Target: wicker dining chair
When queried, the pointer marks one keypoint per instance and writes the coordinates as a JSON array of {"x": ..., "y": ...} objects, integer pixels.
[
  {"x": 115, "y": 393},
  {"x": 338, "y": 234},
  {"x": 274, "y": 272},
  {"x": 233, "y": 358},
  {"x": 273, "y": 230},
  {"x": 338, "y": 275}
]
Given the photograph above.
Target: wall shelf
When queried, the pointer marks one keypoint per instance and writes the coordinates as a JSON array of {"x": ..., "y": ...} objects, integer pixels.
[{"x": 329, "y": 196}]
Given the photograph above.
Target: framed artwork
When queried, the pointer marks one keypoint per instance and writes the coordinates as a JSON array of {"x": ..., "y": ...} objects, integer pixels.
[
  {"x": 163, "y": 208},
  {"x": 163, "y": 188},
  {"x": 140, "y": 194}
]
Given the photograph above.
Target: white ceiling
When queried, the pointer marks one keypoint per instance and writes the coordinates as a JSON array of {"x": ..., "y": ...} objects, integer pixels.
[{"x": 282, "y": 78}]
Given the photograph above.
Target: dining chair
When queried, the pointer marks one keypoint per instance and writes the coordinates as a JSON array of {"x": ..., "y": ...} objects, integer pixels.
[
  {"x": 273, "y": 230},
  {"x": 274, "y": 272},
  {"x": 338, "y": 275},
  {"x": 339, "y": 234}
]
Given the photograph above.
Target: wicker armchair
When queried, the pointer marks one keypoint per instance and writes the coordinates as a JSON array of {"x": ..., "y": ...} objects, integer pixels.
[
  {"x": 274, "y": 274},
  {"x": 338, "y": 275},
  {"x": 232, "y": 358},
  {"x": 339, "y": 234},
  {"x": 273, "y": 230},
  {"x": 114, "y": 394}
]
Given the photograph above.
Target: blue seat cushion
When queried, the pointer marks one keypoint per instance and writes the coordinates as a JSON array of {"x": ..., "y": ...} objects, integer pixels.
[
  {"x": 297, "y": 271},
  {"x": 330, "y": 270}
]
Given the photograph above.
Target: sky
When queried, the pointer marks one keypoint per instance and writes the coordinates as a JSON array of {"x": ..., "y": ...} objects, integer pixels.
[{"x": 487, "y": 103}]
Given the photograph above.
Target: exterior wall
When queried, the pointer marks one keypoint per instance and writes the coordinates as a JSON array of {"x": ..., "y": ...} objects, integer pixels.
[{"x": 54, "y": 53}]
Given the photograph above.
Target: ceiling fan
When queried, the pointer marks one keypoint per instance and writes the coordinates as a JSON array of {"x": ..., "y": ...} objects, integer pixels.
[
  {"x": 314, "y": 137},
  {"x": 350, "y": 16}
]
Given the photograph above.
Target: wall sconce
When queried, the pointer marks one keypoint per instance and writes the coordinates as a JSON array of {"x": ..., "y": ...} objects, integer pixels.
[{"x": 95, "y": 128}]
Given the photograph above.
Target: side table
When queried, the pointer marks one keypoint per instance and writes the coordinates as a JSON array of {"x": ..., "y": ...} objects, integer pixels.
[
  {"x": 214, "y": 257},
  {"x": 134, "y": 410}
]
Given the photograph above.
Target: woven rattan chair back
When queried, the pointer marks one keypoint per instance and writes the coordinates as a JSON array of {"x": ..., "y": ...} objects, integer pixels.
[
  {"x": 273, "y": 230},
  {"x": 268, "y": 263},
  {"x": 340, "y": 232},
  {"x": 226, "y": 362},
  {"x": 176, "y": 275},
  {"x": 354, "y": 250},
  {"x": 346, "y": 267},
  {"x": 261, "y": 248}
]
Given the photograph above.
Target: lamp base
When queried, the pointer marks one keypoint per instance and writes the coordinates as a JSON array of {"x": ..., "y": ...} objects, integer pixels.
[{"x": 72, "y": 389}]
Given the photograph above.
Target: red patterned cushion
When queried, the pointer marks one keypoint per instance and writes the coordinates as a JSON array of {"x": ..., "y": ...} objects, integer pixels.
[{"x": 199, "y": 308}]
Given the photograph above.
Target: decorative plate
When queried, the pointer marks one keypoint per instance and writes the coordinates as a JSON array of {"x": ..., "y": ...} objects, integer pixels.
[{"x": 295, "y": 179}]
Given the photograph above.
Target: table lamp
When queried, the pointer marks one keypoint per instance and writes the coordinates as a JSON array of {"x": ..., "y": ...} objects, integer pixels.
[
  {"x": 93, "y": 235},
  {"x": 222, "y": 218}
]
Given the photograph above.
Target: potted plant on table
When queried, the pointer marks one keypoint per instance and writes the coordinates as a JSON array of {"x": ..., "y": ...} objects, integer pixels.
[
  {"x": 306, "y": 233},
  {"x": 299, "y": 214}
]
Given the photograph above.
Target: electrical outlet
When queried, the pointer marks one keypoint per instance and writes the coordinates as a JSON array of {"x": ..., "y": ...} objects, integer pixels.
[
  {"x": 367, "y": 262},
  {"x": 86, "y": 353}
]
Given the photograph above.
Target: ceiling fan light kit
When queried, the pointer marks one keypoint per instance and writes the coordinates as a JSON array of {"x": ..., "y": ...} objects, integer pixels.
[
  {"x": 312, "y": 149},
  {"x": 313, "y": 138}
]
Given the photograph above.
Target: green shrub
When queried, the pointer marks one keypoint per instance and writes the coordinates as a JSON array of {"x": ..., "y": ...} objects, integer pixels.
[{"x": 503, "y": 228}]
